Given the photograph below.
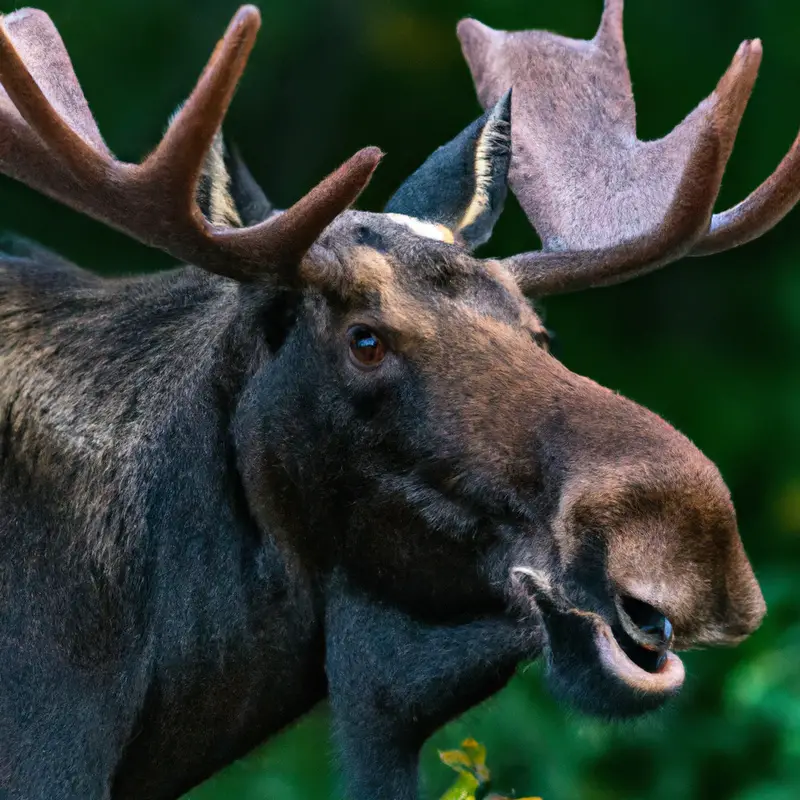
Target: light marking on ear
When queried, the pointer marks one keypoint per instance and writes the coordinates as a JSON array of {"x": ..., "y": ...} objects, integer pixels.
[
  {"x": 221, "y": 205},
  {"x": 214, "y": 185},
  {"x": 430, "y": 230},
  {"x": 495, "y": 136}
]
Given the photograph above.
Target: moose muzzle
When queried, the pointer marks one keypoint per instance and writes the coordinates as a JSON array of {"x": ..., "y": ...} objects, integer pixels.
[{"x": 646, "y": 557}]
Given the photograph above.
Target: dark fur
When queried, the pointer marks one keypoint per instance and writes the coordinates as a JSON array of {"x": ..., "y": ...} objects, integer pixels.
[
  {"x": 210, "y": 519},
  {"x": 159, "y": 630}
]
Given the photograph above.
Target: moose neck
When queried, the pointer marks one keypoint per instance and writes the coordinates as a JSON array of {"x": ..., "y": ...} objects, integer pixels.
[
  {"x": 137, "y": 362},
  {"x": 118, "y": 465}
]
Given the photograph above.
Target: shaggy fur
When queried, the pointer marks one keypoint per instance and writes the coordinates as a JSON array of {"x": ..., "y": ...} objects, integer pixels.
[
  {"x": 209, "y": 518},
  {"x": 213, "y": 514}
]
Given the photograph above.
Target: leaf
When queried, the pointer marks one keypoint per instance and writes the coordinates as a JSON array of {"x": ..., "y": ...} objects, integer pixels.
[{"x": 473, "y": 780}]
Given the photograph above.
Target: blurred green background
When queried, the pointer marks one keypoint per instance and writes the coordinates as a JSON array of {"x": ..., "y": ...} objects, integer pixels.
[{"x": 709, "y": 344}]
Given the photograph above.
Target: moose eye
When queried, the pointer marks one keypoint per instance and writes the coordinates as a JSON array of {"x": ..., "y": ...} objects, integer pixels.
[{"x": 366, "y": 347}]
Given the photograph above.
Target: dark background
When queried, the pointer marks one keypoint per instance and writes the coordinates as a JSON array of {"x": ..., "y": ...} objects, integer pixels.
[{"x": 709, "y": 344}]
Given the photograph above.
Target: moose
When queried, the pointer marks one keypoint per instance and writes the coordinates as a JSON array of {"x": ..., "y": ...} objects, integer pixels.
[{"x": 331, "y": 455}]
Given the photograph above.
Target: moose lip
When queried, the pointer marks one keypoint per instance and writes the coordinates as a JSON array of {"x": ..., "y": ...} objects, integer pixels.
[
  {"x": 636, "y": 647},
  {"x": 645, "y": 671},
  {"x": 653, "y": 672},
  {"x": 628, "y": 651}
]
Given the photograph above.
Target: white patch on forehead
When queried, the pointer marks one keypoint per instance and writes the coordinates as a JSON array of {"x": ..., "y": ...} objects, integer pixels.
[{"x": 430, "y": 230}]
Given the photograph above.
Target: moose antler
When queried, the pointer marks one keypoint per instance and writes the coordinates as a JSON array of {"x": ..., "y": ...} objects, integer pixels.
[
  {"x": 50, "y": 141},
  {"x": 606, "y": 205}
]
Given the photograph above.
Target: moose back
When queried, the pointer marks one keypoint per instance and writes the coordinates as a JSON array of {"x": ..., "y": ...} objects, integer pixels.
[{"x": 334, "y": 457}]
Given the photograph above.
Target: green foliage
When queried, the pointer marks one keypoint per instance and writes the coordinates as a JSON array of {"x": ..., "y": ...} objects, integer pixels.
[
  {"x": 709, "y": 344},
  {"x": 474, "y": 778},
  {"x": 473, "y": 774}
]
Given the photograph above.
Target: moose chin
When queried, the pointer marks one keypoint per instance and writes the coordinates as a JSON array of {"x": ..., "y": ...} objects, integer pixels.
[{"x": 334, "y": 457}]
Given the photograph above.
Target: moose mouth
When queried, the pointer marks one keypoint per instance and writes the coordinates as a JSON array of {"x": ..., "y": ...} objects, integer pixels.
[
  {"x": 637, "y": 648},
  {"x": 620, "y": 666}
]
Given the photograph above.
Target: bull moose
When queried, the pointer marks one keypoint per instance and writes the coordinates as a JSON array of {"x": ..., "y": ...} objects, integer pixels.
[{"x": 332, "y": 456}]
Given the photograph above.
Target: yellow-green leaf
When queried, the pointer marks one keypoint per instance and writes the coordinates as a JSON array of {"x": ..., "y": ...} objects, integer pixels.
[{"x": 473, "y": 779}]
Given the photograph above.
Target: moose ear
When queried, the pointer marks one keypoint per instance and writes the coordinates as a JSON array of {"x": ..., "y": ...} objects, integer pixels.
[
  {"x": 463, "y": 185},
  {"x": 227, "y": 193}
]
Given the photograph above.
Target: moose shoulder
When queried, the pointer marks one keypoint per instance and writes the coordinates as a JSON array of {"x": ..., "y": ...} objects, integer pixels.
[{"x": 335, "y": 457}]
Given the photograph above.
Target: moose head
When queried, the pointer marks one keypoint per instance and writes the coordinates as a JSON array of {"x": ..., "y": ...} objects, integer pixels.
[{"x": 405, "y": 423}]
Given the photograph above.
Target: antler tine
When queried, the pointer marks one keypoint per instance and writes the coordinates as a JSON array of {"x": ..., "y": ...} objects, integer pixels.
[
  {"x": 29, "y": 98},
  {"x": 759, "y": 212},
  {"x": 606, "y": 205},
  {"x": 49, "y": 140},
  {"x": 610, "y": 36},
  {"x": 179, "y": 157},
  {"x": 283, "y": 239}
]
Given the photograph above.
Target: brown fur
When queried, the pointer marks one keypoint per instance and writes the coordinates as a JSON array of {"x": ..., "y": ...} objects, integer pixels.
[{"x": 657, "y": 503}]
